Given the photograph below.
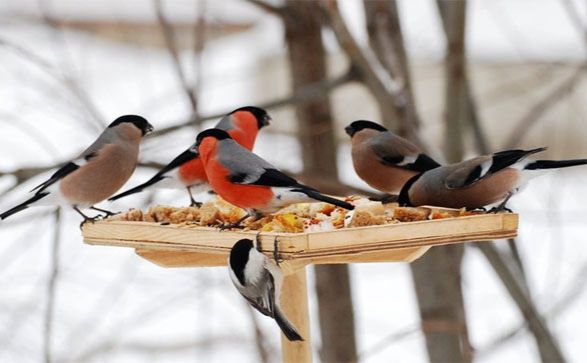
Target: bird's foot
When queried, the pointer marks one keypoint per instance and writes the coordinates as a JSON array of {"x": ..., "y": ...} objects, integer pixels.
[
  {"x": 193, "y": 203},
  {"x": 385, "y": 199},
  {"x": 106, "y": 214},
  {"x": 89, "y": 220},
  {"x": 236, "y": 225},
  {"x": 276, "y": 251},
  {"x": 500, "y": 209},
  {"x": 480, "y": 209}
]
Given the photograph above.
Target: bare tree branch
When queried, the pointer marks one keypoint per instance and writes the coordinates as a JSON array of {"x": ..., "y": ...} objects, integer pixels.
[
  {"x": 303, "y": 94},
  {"x": 547, "y": 344},
  {"x": 172, "y": 48},
  {"x": 542, "y": 106},
  {"x": 380, "y": 83},
  {"x": 51, "y": 291}
]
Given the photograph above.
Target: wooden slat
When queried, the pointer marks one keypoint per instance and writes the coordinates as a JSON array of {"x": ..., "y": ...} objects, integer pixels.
[{"x": 190, "y": 246}]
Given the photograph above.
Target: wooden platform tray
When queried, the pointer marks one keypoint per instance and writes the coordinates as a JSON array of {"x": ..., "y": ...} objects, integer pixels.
[{"x": 191, "y": 246}]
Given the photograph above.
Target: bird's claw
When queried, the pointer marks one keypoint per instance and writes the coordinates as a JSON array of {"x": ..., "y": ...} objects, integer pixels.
[
  {"x": 196, "y": 204},
  {"x": 500, "y": 209},
  {"x": 276, "y": 251},
  {"x": 226, "y": 226}
]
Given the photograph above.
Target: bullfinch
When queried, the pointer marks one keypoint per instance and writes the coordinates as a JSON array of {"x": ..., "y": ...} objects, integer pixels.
[
  {"x": 97, "y": 173},
  {"x": 258, "y": 280},
  {"x": 248, "y": 181},
  {"x": 384, "y": 160},
  {"x": 478, "y": 182},
  {"x": 186, "y": 170}
]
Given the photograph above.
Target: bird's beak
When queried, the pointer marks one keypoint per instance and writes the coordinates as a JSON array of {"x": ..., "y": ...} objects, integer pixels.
[
  {"x": 149, "y": 129},
  {"x": 266, "y": 120},
  {"x": 349, "y": 130}
]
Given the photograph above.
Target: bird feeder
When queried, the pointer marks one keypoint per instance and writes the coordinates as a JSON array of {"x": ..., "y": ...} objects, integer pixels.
[{"x": 190, "y": 246}]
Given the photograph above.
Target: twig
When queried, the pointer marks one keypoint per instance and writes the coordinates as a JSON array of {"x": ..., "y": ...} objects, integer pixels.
[
  {"x": 304, "y": 94},
  {"x": 378, "y": 80},
  {"x": 172, "y": 48},
  {"x": 51, "y": 290},
  {"x": 272, "y": 9},
  {"x": 388, "y": 340},
  {"x": 547, "y": 344},
  {"x": 542, "y": 106},
  {"x": 259, "y": 338}
]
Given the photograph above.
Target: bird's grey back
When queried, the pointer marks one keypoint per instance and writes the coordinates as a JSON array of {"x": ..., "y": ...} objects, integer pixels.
[
  {"x": 226, "y": 123},
  {"x": 239, "y": 160},
  {"x": 387, "y": 144},
  {"x": 108, "y": 136}
]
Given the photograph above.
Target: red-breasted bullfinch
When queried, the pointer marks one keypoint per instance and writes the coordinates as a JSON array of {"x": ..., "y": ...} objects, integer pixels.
[
  {"x": 258, "y": 279},
  {"x": 97, "y": 173},
  {"x": 478, "y": 182},
  {"x": 186, "y": 170},
  {"x": 384, "y": 160},
  {"x": 249, "y": 182}
]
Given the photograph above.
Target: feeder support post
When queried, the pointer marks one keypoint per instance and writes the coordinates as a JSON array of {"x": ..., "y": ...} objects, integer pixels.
[{"x": 294, "y": 302}]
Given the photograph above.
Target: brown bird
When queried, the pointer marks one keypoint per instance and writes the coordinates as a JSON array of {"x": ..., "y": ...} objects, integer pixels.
[
  {"x": 97, "y": 173},
  {"x": 478, "y": 182},
  {"x": 384, "y": 160}
]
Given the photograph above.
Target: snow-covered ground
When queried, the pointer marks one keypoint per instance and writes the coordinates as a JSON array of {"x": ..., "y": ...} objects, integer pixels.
[{"x": 113, "y": 306}]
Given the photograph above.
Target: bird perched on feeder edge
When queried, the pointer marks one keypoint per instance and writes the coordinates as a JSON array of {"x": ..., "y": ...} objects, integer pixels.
[
  {"x": 248, "y": 181},
  {"x": 186, "y": 170},
  {"x": 97, "y": 173},
  {"x": 478, "y": 182},
  {"x": 383, "y": 159},
  {"x": 259, "y": 281}
]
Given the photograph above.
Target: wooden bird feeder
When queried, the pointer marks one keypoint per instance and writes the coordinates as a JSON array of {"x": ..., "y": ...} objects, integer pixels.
[{"x": 191, "y": 246}]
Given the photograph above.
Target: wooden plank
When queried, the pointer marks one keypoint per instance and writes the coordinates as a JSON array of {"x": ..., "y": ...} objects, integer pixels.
[
  {"x": 294, "y": 302},
  {"x": 190, "y": 246}
]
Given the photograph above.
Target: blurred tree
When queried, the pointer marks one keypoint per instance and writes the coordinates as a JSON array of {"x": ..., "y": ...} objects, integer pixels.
[{"x": 316, "y": 134}]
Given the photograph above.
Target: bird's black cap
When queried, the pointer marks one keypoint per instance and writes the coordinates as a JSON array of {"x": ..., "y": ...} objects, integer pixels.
[
  {"x": 239, "y": 256},
  {"x": 359, "y": 125},
  {"x": 263, "y": 118},
  {"x": 215, "y": 133},
  {"x": 136, "y": 120}
]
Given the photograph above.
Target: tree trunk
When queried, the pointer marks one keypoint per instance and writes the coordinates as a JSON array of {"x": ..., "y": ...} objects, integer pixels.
[{"x": 307, "y": 58}]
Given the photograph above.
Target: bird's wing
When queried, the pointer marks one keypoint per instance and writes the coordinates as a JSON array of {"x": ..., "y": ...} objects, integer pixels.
[
  {"x": 59, "y": 174},
  {"x": 473, "y": 170},
  {"x": 247, "y": 168},
  {"x": 395, "y": 151},
  {"x": 264, "y": 296},
  {"x": 179, "y": 160},
  {"x": 106, "y": 137}
]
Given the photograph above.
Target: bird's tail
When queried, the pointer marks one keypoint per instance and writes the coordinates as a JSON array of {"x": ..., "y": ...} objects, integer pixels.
[
  {"x": 138, "y": 188},
  {"x": 286, "y": 327},
  {"x": 23, "y": 206},
  {"x": 323, "y": 198},
  {"x": 554, "y": 164}
]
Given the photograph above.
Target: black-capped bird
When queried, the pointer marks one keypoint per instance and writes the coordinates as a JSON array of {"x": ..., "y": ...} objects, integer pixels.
[
  {"x": 383, "y": 159},
  {"x": 478, "y": 182},
  {"x": 258, "y": 279},
  {"x": 97, "y": 173},
  {"x": 186, "y": 170},
  {"x": 248, "y": 181}
]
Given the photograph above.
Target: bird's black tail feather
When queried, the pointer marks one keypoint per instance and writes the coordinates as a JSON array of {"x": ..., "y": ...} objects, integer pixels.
[
  {"x": 138, "y": 188},
  {"x": 323, "y": 198},
  {"x": 23, "y": 206},
  {"x": 554, "y": 164},
  {"x": 286, "y": 327}
]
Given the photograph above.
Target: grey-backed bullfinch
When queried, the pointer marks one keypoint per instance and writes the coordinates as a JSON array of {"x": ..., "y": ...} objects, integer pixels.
[
  {"x": 258, "y": 279},
  {"x": 384, "y": 160},
  {"x": 478, "y": 182},
  {"x": 186, "y": 170},
  {"x": 248, "y": 181},
  {"x": 97, "y": 173}
]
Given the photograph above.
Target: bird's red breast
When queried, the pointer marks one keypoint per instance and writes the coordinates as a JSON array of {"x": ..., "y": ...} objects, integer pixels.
[
  {"x": 245, "y": 132},
  {"x": 192, "y": 172},
  {"x": 243, "y": 196}
]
